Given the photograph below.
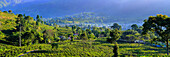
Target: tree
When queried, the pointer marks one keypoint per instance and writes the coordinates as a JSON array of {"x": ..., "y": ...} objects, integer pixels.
[
  {"x": 115, "y": 35},
  {"x": 91, "y": 36},
  {"x": 20, "y": 18},
  {"x": 89, "y": 26},
  {"x": 116, "y": 50},
  {"x": 38, "y": 20},
  {"x": 74, "y": 27},
  {"x": 96, "y": 31},
  {"x": 39, "y": 36},
  {"x": 107, "y": 32},
  {"x": 28, "y": 18},
  {"x": 10, "y": 11},
  {"x": 130, "y": 35},
  {"x": 84, "y": 36},
  {"x": 116, "y": 26},
  {"x": 134, "y": 27},
  {"x": 5, "y": 11},
  {"x": 67, "y": 26},
  {"x": 72, "y": 38},
  {"x": 28, "y": 38},
  {"x": 48, "y": 35},
  {"x": 88, "y": 31},
  {"x": 140, "y": 29},
  {"x": 159, "y": 24}
]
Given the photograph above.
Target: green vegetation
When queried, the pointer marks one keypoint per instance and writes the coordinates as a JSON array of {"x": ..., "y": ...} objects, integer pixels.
[
  {"x": 13, "y": 26},
  {"x": 20, "y": 34},
  {"x": 17, "y": 51},
  {"x": 86, "y": 17},
  {"x": 116, "y": 50},
  {"x": 116, "y": 26},
  {"x": 98, "y": 48},
  {"x": 159, "y": 24}
]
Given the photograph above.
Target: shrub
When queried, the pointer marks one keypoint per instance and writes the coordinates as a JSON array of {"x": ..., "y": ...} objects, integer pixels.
[
  {"x": 54, "y": 45},
  {"x": 5, "y": 11}
]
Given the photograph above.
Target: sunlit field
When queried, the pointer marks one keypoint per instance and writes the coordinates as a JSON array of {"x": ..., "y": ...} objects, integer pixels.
[{"x": 78, "y": 48}]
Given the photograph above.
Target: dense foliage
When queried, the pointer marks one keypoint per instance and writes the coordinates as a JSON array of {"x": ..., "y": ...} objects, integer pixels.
[
  {"x": 159, "y": 24},
  {"x": 86, "y": 17}
]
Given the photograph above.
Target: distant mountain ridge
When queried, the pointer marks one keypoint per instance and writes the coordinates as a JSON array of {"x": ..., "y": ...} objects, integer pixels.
[
  {"x": 85, "y": 17},
  {"x": 122, "y": 11}
]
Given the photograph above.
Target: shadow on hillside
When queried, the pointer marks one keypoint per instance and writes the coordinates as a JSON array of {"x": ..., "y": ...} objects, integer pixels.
[
  {"x": 44, "y": 51},
  {"x": 8, "y": 32},
  {"x": 5, "y": 42},
  {"x": 154, "y": 49},
  {"x": 128, "y": 47},
  {"x": 147, "y": 53},
  {"x": 101, "y": 41}
]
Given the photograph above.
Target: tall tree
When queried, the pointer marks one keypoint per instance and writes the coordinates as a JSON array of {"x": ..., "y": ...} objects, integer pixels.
[
  {"x": 38, "y": 20},
  {"x": 10, "y": 11},
  {"x": 116, "y": 26},
  {"x": 107, "y": 32},
  {"x": 20, "y": 18},
  {"x": 91, "y": 36},
  {"x": 159, "y": 24},
  {"x": 115, "y": 35},
  {"x": 134, "y": 27},
  {"x": 84, "y": 36},
  {"x": 116, "y": 50}
]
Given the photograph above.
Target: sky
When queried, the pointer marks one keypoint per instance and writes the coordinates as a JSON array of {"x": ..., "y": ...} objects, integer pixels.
[{"x": 123, "y": 9}]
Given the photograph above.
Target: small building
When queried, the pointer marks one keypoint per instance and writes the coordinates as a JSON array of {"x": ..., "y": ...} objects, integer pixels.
[{"x": 139, "y": 41}]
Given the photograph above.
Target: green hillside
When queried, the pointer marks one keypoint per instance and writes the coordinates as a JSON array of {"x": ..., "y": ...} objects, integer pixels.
[
  {"x": 85, "y": 17},
  {"x": 78, "y": 48},
  {"x": 7, "y": 21},
  {"x": 10, "y": 28}
]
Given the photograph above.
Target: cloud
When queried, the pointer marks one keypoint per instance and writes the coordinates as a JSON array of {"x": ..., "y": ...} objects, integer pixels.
[
  {"x": 4, "y": 3},
  {"x": 17, "y": 1}
]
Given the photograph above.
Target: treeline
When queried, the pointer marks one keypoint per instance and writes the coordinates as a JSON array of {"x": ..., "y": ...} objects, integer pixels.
[
  {"x": 85, "y": 17},
  {"x": 34, "y": 31},
  {"x": 31, "y": 30}
]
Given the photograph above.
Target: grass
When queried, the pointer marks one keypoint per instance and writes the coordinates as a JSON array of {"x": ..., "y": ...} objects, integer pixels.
[{"x": 98, "y": 47}]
